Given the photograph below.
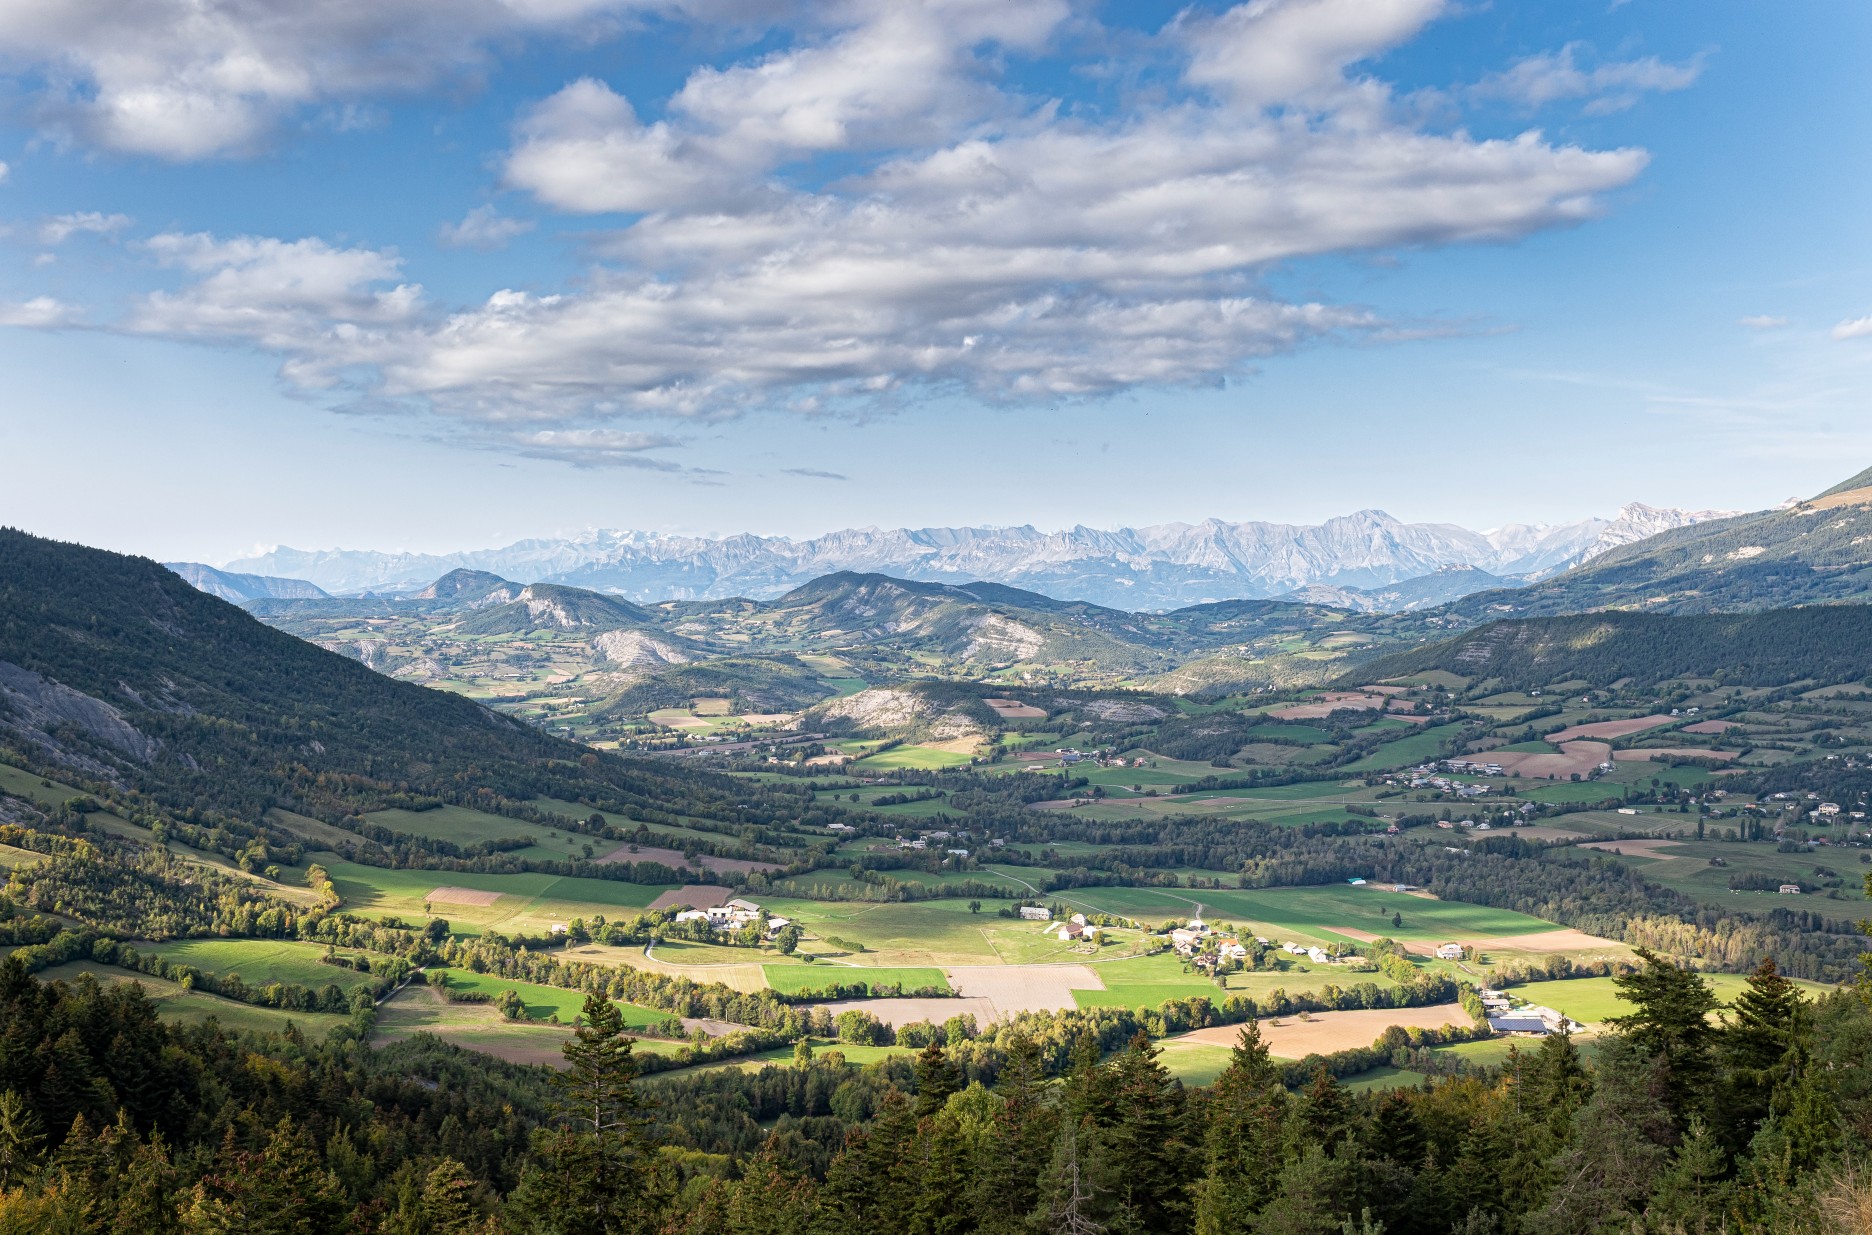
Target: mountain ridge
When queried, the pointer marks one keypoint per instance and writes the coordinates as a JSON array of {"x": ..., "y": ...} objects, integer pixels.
[{"x": 1161, "y": 566}]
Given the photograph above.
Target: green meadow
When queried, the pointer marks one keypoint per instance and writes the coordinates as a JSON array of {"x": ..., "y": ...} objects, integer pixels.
[
  {"x": 258, "y": 961},
  {"x": 793, "y": 979}
]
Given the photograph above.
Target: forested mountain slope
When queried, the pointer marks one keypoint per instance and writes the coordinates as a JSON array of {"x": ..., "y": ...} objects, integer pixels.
[
  {"x": 115, "y": 667},
  {"x": 1815, "y": 551},
  {"x": 1826, "y": 643}
]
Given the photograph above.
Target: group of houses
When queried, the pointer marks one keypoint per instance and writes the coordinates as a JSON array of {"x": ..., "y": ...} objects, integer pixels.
[
  {"x": 733, "y": 916},
  {"x": 1531, "y": 1019}
]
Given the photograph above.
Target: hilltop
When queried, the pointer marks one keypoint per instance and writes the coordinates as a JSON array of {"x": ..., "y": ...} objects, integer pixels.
[{"x": 1807, "y": 552}]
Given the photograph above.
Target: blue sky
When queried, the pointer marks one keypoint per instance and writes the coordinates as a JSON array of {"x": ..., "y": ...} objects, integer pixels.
[{"x": 373, "y": 274}]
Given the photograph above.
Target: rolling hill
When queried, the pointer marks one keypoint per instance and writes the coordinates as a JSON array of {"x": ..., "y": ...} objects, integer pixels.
[
  {"x": 118, "y": 671},
  {"x": 1811, "y": 552},
  {"x": 1826, "y": 643}
]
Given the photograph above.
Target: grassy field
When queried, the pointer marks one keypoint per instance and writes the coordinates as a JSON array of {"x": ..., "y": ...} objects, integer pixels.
[
  {"x": 922, "y": 758},
  {"x": 23, "y": 784},
  {"x": 468, "y": 827},
  {"x": 1593, "y": 1000},
  {"x": 258, "y": 961},
  {"x": 1310, "y": 914},
  {"x": 173, "y": 1003},
  {"x": 527, "y": 903},
  {"x": 792, "y": 979},
  {"x": 914, "y": 934},
  {"x": 1416, "y": 748},
  {"x": 545, "y": 1002}
]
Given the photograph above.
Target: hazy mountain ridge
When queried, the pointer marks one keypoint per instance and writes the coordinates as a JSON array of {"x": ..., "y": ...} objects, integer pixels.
[
  {"x": 241, "y": 588},
  {"x": 1163, "y": 566}
]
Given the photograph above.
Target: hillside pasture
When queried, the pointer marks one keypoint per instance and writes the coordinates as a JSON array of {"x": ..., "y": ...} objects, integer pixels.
[
  {"x": 176, "y": 1004},
  {"x": 525, "y": 903},
  {"x": 258, "y": 961}
]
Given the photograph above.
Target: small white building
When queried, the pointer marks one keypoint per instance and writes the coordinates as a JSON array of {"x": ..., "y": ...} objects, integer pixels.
[
  {"x": 1449, "y": 952},
  {"x": 1035, "y": 913},
  {"x": 1790, "y": 889}
]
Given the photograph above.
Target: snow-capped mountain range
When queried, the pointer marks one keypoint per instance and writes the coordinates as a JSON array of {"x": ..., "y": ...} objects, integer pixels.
[{"x": 1159, "y": 567}]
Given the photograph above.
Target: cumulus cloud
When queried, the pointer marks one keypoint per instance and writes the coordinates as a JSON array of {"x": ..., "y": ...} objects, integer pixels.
[
  {"x": 1856, "y": 328},
  {"x": 870, "y": 214},
  {"x": 191, "y": 79},
  {"x": 1551, "y": 77},
  {"x": 1762, "y": 321},
  {"x": 1287, "y": 51},
  {"x": 483, "y": 228},
  {"x": 60, "y": 228},
  {"x": 41, "y": 312}
]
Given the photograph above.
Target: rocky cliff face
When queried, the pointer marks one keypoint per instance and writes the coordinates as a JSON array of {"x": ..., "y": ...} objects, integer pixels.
[{"x": 1158, "y": 567}]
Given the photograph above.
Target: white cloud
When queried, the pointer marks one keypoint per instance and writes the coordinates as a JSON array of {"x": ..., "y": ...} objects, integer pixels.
[
  {"x": 483, "y": 228},
  {"x": 1283, "y": 51},
  {"x": 321, "y": 307},
  {"x": 975, "y": 240},
  {"x": 191, "y": 79},
  {"x": 589, "y": 447},
  {"x": 41, "y": 312},
  {"x": 60, "y": 228},
  {"x": 1856, "y": 328},
  {"x": 5, "y": 171},
  {"x": 1762, "y": 321},
  {"x": 1553, "y": 77}
]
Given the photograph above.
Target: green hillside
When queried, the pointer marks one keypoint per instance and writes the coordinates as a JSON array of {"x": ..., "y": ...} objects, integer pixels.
[
  {"x": 1811, "y": 552},
  {"x": 1826, "y": 643},
  {"x": 117, "y": 669}
]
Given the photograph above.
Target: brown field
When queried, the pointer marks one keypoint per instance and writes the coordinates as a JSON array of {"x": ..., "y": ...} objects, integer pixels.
[
  {"x": 1565, "y": 940},
  {"x": 1542, "y": 831},
  {"x": 463, "y": 896},
  {"x": 674, "y": 859},
  {"x": 1671, "y": 752},
  {"x": 899, "y": 1012},
  {"x": 1609, "y": 728},
  {"x": 745, "y": 977},
  {"x": 476, "y": 1027},
  {"x": 1581, "y": 757},
  {"x": 693, "y": 896},
  {"x": 1385, "y": 690},
  {"x": 1713, "y": 726},
  {"x": 1009, "y": 989},
  {"x": 1014, "y": 709},
  {"x": 1327, "y": 705},
  {"x": 1289, "y": 1037}
]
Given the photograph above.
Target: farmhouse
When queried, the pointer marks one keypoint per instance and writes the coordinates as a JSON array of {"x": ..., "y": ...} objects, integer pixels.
[
  {"x": 1035, "y": 913},
  {"x": 1518, "y": 1023},
  {"x": 1449, "y": 952},
  {"x": 1790, "y": 889},
  {"x": 840, "y": 827}
]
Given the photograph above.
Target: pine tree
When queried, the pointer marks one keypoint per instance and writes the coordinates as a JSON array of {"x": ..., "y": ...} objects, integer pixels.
[
  {"x": 1693, "y": 1193},
  {"x": 1671, "y": 1025},
  {"x": 936, "y": 1079},
  {"x": 1242, "y": 1138},
  {"x": 21, "y": 1139},
  {"x": 1147, "y": 1135},
  {"x": 596, "y": 1172}
]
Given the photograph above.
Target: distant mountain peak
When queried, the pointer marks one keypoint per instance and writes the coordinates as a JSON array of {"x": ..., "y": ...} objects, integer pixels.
[{"x": 1161, "y": 566}]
